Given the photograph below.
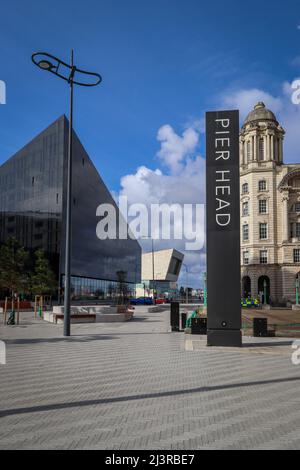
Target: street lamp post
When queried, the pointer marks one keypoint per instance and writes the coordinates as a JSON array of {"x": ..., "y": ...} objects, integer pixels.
[
  {"x": 153, "y": 275},
  {"x": 56, "y": 66},
  {"x": 187, "y": 283}
]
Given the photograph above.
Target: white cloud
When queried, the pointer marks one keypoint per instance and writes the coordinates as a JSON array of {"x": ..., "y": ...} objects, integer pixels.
[{"x": 174, "y": 149}]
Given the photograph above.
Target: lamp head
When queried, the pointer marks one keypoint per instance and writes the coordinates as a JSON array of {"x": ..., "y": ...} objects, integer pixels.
[{"x": 45, "y": 65}]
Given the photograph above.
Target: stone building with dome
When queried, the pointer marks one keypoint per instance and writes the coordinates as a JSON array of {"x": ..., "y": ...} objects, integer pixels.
[{"x": 270, "y": 210}]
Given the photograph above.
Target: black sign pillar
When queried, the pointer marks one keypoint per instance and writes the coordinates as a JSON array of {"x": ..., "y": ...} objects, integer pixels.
[{"x": 223, "y": 229}]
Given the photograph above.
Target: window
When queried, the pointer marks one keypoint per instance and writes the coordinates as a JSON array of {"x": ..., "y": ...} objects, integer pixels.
[
  {"x": 291, "y": 230},
  {"x": 263, "y": 257},
  {"x": 263, "y": 231},
  {"x": 298, "y": 229},
  {"x": 262, "y": 203},
  {"x": 245, "y": 210},
  {"x": 245, "y": 188},
  {"x": 297, "y": 256},
  {"x": 246, "y": 257},
  {"x": 262, "y": 185},
  {"x": 297, "y": 207},
  {"x": 245, "y": 232},
  {"x": 261, "y": 150}
]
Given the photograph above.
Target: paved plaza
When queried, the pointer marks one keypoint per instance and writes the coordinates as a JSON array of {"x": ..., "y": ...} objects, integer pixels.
[{"x": 137, "y": 386}]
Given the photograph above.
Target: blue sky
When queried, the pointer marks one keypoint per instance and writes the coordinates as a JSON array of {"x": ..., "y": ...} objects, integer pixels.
[{"x": 163, "y": 63}]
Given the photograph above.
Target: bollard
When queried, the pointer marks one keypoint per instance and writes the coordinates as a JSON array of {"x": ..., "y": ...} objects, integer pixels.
[
  {"x": 199, "y": 326},
  {"x": 174, "y": 318},
  {"x": 183, "y": 321},
  {"x": 260, "y": 327}
]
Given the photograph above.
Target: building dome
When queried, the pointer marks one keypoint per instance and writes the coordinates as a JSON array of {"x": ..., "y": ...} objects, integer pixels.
[{"x": 260, "y": 113}]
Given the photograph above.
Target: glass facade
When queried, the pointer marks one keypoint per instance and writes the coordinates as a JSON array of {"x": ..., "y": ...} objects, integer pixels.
[
  {"x": 87, "y": 289},
  {"x": 31, "y": 194},
  {"x": 33, "y": 205}
]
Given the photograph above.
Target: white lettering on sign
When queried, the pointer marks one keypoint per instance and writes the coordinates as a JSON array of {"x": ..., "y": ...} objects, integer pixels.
[{"x": 223, "y": 177}]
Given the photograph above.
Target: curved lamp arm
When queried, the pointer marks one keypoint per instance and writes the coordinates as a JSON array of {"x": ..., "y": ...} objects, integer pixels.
[{"x": 41, "y": 60}]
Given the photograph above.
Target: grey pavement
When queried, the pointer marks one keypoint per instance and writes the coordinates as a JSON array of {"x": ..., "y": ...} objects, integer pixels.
[{"x": 137, "y": 386}]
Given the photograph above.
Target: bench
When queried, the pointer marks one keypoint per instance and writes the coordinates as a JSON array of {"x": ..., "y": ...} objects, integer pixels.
[{"x": 79, "y": 316}]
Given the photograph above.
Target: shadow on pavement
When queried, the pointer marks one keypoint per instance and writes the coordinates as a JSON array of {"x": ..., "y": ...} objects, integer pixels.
[
  {"x": 72, "y": 339},
  {"x": 268, "y": 344},
  {"x": 167, "y": 393}
]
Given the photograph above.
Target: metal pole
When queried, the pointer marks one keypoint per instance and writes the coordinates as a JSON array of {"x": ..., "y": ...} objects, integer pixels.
[
  {"x": 67, "y": 306},
  {"x": 153, "y": 270},
  {"x": 187, "y": 284}
]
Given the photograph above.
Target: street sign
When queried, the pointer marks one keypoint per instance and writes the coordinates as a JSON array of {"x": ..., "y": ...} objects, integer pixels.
[{"x": 223, "y": 228}]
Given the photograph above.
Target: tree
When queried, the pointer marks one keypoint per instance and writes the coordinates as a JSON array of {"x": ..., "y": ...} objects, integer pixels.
[
  {"x": 122, "y": 286},
  {"x": 182, "y": 292},
  {"x": 43, "y": 281},
  {"x": 13, "y": 261}
]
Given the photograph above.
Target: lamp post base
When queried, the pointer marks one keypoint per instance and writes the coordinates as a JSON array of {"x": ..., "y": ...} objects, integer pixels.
[
  {"x": 227, "y": 338},
  {"x": 296, "y": 307}
]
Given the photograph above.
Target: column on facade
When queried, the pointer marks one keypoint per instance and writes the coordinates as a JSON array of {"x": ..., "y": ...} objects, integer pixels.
[
  {"x": 276, "y": 148},
  {"x": 255, "y": 147},
  {"x": 268, "y": 147},
  {"x": 265, "y": 147},
  {"x": 285, "y": 218},
  {"x": 242, "y": 150},
  {"x": 280, "y": 149},
  {"x": 272, "y": 147}
]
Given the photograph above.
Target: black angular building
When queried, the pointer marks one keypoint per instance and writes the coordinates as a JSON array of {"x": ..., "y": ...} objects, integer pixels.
[{"x": 33, "y": 205}]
